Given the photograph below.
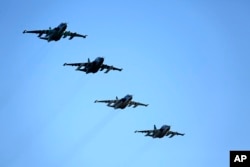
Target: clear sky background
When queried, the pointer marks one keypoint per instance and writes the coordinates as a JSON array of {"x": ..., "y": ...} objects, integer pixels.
[{"x": 189, "y": 60}]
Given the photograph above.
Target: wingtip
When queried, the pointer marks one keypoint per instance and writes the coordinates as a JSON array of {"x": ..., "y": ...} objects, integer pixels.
[
  {"x": 24, "y": 31},
  {"x": 95, "y": 101},
  {"x": 64, "y": 64}
]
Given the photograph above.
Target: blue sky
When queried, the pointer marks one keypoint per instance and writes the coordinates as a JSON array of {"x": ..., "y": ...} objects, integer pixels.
[{"x": 188, "y": 60}]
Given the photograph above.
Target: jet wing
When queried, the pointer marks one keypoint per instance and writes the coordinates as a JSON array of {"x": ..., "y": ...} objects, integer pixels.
[
  {"x": 148, "y": 132},
  {"x": 105, "y": 101},
  {"x": 39, "y": 32},
  {"x": 72, "y": 35},
  {"x": 75, "y": 64},
  {"x": 144, "y": 131},
  {"x": 108, "y": 68},
  {"x": 135, "y": 104},
  {"x": 172, "y": 134}
]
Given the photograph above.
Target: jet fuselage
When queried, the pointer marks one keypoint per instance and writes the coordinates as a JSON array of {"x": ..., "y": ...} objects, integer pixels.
[
  {"x": 161, "y": 132},
  {"x": 123, "y": 102},
  {"x": 94, "y": 66},
  {"x": 57, "y": 33}
]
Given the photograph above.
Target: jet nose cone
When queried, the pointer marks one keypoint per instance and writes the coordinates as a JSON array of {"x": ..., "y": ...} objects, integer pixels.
[
  {"x": 167, "y": 126},
  {"x": 64, "y": 25},
  {"x": 100, "y": 59},
  {"x": 130, "y": 96}
]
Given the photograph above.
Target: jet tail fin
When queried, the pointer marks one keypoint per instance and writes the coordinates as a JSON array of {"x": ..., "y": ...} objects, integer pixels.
[
  {"x": 155, "y": 127},
  {"x": 88, "y": 60},
  {"x": 116, "y": 98}
]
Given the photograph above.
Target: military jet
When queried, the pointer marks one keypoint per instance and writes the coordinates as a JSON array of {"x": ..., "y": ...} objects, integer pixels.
[
  {"x": 121, "y": 103},
  {"x": 56, "y": 33},
  {"x": 94, "y": 66},
  {"x": 159, "y": 133}
]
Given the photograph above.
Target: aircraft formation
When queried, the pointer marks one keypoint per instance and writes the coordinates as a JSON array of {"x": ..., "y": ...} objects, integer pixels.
[{"x": 96, "y": 65}]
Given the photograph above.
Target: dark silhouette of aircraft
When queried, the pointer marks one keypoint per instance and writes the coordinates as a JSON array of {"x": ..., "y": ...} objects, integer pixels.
[
  {"x": 121, "y": 103},
  {"x": 56, "y": 33},
  {"x": 159, "y": 133},
  {"x": 93, "y": 67}
]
